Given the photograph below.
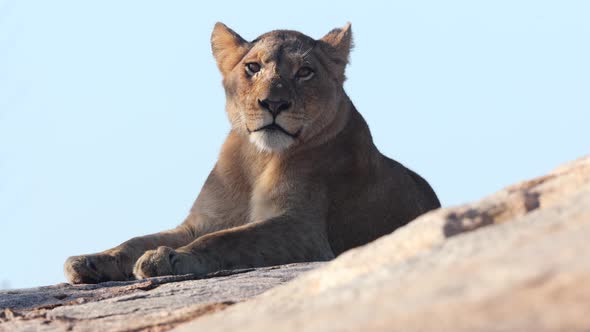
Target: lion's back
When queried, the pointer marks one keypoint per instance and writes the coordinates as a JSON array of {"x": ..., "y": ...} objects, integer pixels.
[{"x": 376, "y": 200}]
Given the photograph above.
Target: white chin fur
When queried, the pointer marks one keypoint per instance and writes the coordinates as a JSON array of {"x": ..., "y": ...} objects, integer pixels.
[{"x": 271, "y": 141}]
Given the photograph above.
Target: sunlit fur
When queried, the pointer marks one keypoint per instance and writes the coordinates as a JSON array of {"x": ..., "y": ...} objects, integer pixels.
[
  {"x": 281, "y": 54},
  {"x": 271, "y": 141},
  {"x": 306, "y": 192}
]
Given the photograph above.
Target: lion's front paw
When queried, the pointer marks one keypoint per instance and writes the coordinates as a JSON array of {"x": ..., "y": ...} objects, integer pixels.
[
  {"x": 155, "y": 263},
  {"x": 91, "y": 269},
  {"x": 166, "y": 261}
]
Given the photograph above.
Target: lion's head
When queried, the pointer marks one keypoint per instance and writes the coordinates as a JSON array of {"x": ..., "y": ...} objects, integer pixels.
[{"x": 282, "y": 88}]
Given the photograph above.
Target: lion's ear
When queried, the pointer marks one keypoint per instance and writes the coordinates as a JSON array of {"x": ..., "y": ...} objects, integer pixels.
[
  {"x": 340, "y": 43},
  {"x": 227, "y": 46}
]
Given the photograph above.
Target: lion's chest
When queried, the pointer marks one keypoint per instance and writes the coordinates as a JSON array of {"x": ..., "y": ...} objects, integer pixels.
[{"x": 269, "y": 194}]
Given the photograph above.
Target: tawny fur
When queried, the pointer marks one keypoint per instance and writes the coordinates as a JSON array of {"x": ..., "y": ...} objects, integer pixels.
[{"x": 307, "y": 192}]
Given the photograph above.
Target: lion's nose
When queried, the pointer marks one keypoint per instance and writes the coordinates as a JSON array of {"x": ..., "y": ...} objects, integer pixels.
[{"x": 274, "y": 106}]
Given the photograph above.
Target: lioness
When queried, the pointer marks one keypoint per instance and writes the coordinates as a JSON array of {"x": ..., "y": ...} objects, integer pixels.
[{"x": 298, "y": 177}]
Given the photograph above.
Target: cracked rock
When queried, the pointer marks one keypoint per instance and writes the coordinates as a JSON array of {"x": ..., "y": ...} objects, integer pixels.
[{"x": 518, "y": 260}]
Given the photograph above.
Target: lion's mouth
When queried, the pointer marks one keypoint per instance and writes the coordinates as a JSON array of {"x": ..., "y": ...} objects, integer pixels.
[{"x": 273, "y": 126}]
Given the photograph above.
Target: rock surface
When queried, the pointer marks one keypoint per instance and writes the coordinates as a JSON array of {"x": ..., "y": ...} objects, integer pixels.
[
  {"x": 518, "y": 260},
  {"x": 155, "y": 304}
]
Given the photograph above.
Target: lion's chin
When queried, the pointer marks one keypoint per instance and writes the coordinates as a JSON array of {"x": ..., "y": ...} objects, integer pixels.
[{"x": 271, "y": 140}]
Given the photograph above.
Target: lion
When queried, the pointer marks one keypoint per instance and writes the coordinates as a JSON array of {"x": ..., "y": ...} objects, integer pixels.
[{"x": 298, "y": 177}]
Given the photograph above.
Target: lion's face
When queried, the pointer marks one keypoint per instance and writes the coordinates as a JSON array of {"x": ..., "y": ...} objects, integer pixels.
[{"x": 283, "y": 87}]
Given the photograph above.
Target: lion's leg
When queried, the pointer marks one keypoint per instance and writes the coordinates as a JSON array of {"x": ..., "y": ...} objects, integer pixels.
[
  {"x": 275, "y": 241},
  {"x": 117, "y": 263}
]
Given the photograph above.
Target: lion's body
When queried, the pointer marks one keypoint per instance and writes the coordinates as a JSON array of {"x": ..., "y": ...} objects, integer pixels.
[{"x": 308, "y": 188}]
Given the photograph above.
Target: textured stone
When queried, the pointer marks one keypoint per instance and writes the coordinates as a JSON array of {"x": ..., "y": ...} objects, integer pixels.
[
  {"x": 518, "y": 260},
  {"x": 155, "y": 304}
]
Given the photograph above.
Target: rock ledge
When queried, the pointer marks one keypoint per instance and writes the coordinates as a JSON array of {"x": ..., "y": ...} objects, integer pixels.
[{"x": 518, "y": 260}]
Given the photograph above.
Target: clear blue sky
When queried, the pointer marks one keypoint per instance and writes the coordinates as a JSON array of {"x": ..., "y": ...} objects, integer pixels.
[{"x": 111, "y": 112}]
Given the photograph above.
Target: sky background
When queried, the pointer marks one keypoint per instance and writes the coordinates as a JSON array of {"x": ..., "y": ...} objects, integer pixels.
[{"x": 111, "y": 112}]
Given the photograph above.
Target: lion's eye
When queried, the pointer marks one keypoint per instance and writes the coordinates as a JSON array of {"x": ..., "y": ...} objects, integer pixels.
[
  {"x": 252, "y": 68},
  {"x": 304, "y": 73}
]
